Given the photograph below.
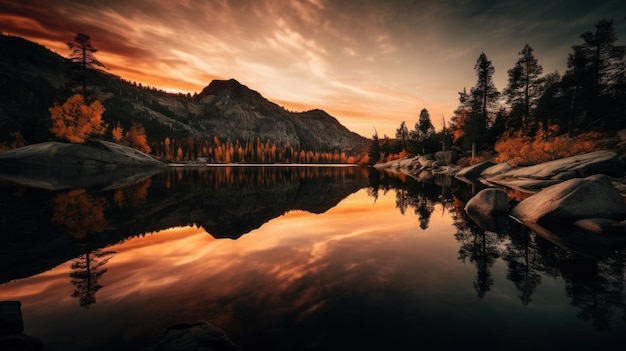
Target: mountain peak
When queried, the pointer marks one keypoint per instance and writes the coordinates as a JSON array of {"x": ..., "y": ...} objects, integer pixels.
[{"x": 230, "y": 86}]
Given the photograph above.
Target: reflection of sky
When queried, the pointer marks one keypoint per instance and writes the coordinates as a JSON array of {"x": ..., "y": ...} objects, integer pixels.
[{"x": 360, "y": 275}]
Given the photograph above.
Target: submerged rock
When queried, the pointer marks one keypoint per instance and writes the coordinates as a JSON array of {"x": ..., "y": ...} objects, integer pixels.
[
  {"x": 488, "y": 202},
  {"x": 199, "y": 336},
  {"x": 571, "y": 200}
]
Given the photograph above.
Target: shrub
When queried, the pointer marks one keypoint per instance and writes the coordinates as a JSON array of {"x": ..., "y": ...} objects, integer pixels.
[{"x": 519, "y": 150}]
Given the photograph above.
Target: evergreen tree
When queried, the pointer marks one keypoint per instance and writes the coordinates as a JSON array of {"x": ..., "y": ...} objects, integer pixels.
[
  {"x": 524, "y": 88},
  {"x": 374, "y": 149},
  {"x": 595, "y": 78},
  {"x": 82, "y": 53},
  {"x": 425, "y": 126},
  {"x": 482, "y": 97},
  {"x": 402, "y": 135}
]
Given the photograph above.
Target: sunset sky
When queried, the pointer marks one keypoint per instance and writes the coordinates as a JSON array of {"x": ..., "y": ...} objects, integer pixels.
[{"x": 372, "y": 64}]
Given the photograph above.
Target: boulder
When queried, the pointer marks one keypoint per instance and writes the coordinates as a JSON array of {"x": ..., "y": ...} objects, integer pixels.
[
  {"x": 488, "y": 202},
  {"x": 495, "y": 170},
  {"x": 449, "y": 157},
  {"x": 571, "y": 200},
  {"x": 95, "y": 154},
  {"x": 475, "y": 170},
  {"x": 579, "y": 166}
]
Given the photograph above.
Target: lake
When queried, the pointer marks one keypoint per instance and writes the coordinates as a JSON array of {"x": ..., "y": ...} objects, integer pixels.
[{"x": 297, "y": 258}]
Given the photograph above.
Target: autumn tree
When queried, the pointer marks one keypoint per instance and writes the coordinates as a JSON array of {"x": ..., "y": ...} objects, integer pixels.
[
  {"x": 136, "y": 136},
  {"x": 596, "y": 77},
  {"x": 524, "y": 87},
  {"x": 117, "y": 133},
  {"x": 82, "y": 53},
  {"x": 75, "y": 121}
]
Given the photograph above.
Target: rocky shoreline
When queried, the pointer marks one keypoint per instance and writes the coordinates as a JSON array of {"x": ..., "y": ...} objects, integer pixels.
[{"x": 585, "y": 191}]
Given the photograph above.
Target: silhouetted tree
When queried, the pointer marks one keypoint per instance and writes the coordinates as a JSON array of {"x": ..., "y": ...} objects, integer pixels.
[
  {"x": 482, "y": 97},
  {"x": 524, "y": 87},
  {"x": 374, "y": 151},
  {"x": 82, "y": 53},
  {"x": 87, "y": 270},
  {"x": 595, "y": 77},
  {"x": 402, "y": 134}
]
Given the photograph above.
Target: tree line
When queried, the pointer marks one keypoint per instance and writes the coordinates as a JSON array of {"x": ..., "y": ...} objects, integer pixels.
[{"x": 571, "y": 111}]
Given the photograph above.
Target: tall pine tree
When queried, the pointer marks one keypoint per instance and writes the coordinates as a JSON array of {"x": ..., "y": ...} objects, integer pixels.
[{"x": 524, "y": 88}]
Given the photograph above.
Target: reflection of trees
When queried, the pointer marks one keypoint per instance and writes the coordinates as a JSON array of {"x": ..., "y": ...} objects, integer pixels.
[
  {"x": 424, "y": 207},
  {"x": 87, "y": 270},
  {"x": 596, "y": 287},
  {"x": 82, "y": 214},
  {"x": 79, "y": 212},
  {"x": 524, "y": 264},
  {"x": 410, "y": 193}
]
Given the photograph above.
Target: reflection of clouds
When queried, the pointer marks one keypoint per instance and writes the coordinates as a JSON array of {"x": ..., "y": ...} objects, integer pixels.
[{"x": 291, "y": 272}]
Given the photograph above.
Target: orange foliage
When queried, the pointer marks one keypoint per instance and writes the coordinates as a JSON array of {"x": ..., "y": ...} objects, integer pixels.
[
  {"x": 75, "y": 121},
  {"x": 399, "y": 155},
  {"x": 117, "y": 133},
  {"x": 79, "y": 213},
  {"x": 519, "y": 150},
  {"x": 137, "y": 138}
]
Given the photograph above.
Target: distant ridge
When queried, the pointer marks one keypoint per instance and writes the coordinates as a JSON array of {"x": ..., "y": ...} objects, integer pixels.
[{"x": 33, "y": 78}]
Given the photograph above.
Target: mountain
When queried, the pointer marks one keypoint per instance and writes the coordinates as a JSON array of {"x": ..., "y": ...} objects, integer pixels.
[{"x": 224, "y": 117}]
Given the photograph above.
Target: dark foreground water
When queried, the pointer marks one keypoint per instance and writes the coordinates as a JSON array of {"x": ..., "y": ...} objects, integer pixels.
[{"x": 285, "y": 258}]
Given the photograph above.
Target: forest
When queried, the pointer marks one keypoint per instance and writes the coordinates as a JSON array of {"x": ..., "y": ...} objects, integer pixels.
[{"x": 536, "y": 117}]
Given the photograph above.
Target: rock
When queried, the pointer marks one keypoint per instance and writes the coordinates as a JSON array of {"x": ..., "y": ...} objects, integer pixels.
[
  {"x": 602, "y": 225},
  {"x": 10, "y": 318},
  {"x": 488, "y": 202},
  {"x": 199, "y": 336},
  {"x": 580, "y": 166},
  {"x": 571, "y": 200},
  {"x": 495, "y": 170},
  {"x": 12, "y": 328},
  {"x": 475, "y": 170},
  {"x": 96, "y": 154},
  {"x": 449, "y": 157}
]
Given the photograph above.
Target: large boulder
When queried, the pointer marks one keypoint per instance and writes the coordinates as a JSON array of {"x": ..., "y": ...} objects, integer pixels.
[
  {"x": 572, "y": 200},
  {"x": 474, "y": 171},
  {"x": 579, "y": 166},
  {"x": 488, "y": 202},
  {"x": 449, "y": 157},
  {"x": 94, "y": 154}
]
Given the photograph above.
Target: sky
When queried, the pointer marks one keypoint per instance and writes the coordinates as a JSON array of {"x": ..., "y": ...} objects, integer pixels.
[{"x": 371, "y": 64}]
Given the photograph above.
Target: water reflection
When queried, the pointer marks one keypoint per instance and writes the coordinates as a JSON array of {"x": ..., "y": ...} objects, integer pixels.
[
  {"x": 337, "y": 259},
  {"x": 227, "y": 202},
  {"x": 595, "y": 285}
]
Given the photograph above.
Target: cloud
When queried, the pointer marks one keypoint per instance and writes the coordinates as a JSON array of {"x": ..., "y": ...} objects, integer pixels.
[{"x": 381, "y": 60}]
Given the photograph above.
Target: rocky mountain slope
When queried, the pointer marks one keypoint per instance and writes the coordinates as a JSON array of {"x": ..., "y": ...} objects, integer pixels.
[{"x": 32, "y": 78}]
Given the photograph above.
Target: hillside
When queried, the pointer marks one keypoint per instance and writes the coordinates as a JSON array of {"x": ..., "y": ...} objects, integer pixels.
[{"x": 226, "y": 121}]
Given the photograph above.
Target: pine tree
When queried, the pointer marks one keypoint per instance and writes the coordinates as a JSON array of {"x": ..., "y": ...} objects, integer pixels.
[
  {"x": 524, "y": 87},
  {"x": 82, "y": 53},
  {"x": 596, "y": 77}
]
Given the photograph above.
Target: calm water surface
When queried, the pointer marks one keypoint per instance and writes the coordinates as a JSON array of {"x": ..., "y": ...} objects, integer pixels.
[{"x": 287, "y": 258}]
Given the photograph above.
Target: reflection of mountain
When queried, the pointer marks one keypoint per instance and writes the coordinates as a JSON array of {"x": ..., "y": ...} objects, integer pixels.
[{"x": 226, "y": 201}]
